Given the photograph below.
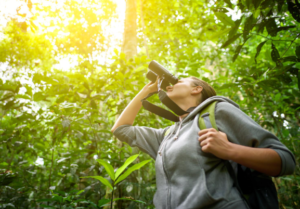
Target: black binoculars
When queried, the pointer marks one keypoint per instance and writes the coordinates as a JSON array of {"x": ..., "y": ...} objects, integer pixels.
[{"x": 165, "y": 76}]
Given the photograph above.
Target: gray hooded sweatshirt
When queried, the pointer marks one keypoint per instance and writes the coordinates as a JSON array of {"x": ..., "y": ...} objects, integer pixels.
[{"x": 187, "y": 177}]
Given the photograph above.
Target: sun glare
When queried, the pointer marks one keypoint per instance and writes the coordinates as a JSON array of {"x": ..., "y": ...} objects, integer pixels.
[{"x": 37, "y": 14}]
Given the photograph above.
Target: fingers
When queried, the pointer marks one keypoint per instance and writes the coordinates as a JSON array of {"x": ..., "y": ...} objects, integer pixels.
[
  {"x": 205, "y": 131},
  {"x": 205, "y": 134}
]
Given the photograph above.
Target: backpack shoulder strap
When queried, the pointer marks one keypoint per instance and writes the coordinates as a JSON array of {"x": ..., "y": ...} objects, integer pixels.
[{"x": 207, "y": 117}]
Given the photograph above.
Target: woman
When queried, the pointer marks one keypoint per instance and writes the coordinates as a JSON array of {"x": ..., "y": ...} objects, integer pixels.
[{"x": 190, "y": 169}]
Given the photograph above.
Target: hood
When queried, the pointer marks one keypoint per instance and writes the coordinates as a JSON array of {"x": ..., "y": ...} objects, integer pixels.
[{"x": 208, "y": 101}]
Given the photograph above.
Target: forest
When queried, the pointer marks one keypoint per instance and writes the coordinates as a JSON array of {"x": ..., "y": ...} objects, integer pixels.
[{"x": 68, "y": 69}]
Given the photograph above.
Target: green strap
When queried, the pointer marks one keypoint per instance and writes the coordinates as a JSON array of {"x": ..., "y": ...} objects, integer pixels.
[{"x": 208, "y": 111}]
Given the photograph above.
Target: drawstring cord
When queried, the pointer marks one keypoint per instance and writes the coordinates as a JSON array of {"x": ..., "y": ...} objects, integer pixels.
[
  {"x": 176, "y": 137},
  {"x": 170, "y": 135}
]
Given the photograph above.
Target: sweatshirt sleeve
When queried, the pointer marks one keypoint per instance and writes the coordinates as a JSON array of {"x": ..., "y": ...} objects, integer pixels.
[
  {"x": 145, "y": 138},
  {"x": 241, "y": 129}
]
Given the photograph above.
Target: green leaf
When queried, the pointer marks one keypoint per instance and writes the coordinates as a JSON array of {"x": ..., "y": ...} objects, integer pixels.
[
  {"x": 122, "y": 56},
  {"x": 277, "y": 97},
  {"x": 248, "y": 26},
  {"x": 105, "y": 131},
  {"x": 3, "y": 164},
  {"x": 298, "y": 51},
  {"x": 298, "y": 79},
  {"x": 116, "y": 51},
  {"x": 235, "y": 28},
  {"x": 289, "y": 59},
  {"x": 39, "y": 96},
  {"x": 79, "y": 192},
  {"x": 93, "y": 104},
  {"x": 258, "y": 49},
  {"x": 100, "y": 178},
  {"x": 284, "y": 28},
  {"x": 109, "y": 169},
  {"x": 125, "y": 165},
  {"x": 271, "y": 27},
  {"x": 294, "y": 71},
  {"x": 47, "y": 206},
  {"x": 229, "y": 3},
  {"x": 219, "y": 34},
  {"x": 224, "y": 18},
  {"x": 124, "y": 198},
  {"x": 237, "y": 52},
  {"x": 229, "y": 41},
  {"x": 103, "y": 202},
  {"x": 275, "y": 55},
  {"x": 294, "y": 10},
  {"x": 131, "y": 169}
]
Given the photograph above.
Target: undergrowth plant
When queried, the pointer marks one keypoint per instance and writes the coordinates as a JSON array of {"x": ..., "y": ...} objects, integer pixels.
[{"x": 116, "y": 177}]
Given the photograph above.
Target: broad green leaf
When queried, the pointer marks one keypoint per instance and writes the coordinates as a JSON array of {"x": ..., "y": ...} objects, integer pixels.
[
  {"x": 122, "y": 56},
  {"x": 229, "y": 3},
  {"x": 237, "y": 52},
  {"x": 277, "y": 97},
  {"x": 232, "y": 39},
  {"x": 125, "y": 165},
  {"x": 275, "y": 55},
  {"x": 100, "y": 178},
  {"x": 235, "y": 28},
  {"x": 105, "y": 131},
  {"x": 131, "y": 169},
  {"x": 79, "y": 192},
  {"x": 39, "y": 96},
  {"x": 124, "y": 198},
  {"x": 109, "y": 169},
  {"x": 271, "y": 27},
  {"x": 3, "y": 164},
  {"x": 47, "y": 206},
  {"x": 289, "y": 59},
  {"x": 102, "y": 202},
  {"x": 298, "y": 51},
  {"x": 93, "y": 104},
  {"x": 258, "y": 49},
  {"x": 298, "y": 79},
  {"x": 285, "y": 28},
  {"x": 224, "y": 18},
  {"x": 116, "y": 51},
  {"x": 294, "y": 10},
  {"x": 219, "y": 34}
]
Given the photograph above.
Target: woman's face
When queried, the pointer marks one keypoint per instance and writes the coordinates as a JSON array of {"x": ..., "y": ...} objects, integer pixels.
[{"x": 180, "y": 90}]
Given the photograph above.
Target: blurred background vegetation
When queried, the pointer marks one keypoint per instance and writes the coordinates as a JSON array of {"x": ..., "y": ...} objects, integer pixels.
[{"x": 68, "y": 68}]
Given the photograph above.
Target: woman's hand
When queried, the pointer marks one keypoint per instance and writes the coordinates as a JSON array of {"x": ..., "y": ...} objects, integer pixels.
[
  {"x": 151, "y": 87},
  {"x": 215, "y": 142}
]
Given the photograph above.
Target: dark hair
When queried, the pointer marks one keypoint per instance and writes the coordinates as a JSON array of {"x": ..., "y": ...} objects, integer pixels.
[{"x": 208, "y": 90}]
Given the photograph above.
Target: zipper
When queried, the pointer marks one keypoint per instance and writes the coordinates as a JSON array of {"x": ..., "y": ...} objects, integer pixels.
[{"x": 162, "y": 158}]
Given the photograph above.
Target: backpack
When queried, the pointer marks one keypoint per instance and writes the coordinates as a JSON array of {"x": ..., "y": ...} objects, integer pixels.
[{"x": 257, "y": 190}]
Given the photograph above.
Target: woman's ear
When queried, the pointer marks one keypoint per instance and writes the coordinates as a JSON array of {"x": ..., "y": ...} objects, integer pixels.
[{"x": 197, "y": 90}]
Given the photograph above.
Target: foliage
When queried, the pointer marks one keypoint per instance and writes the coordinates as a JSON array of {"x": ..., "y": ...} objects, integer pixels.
[
  {"x": 54, "y": 122},
  {"x": 117, "y": 177}
]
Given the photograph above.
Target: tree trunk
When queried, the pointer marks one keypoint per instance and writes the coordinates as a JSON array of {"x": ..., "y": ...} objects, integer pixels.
[{"x": 129, "y": 37}]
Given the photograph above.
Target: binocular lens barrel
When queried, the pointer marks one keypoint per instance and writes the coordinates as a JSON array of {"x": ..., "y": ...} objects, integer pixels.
[
  {"x": 152, "y": 77},
  {"x": 162, "y": 72}
]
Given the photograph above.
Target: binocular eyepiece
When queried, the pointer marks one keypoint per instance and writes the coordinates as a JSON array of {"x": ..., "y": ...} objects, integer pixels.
[{"x": 158, "y": 70}]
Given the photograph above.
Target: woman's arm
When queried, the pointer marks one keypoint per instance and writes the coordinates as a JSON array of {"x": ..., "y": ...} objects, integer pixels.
[{"x": 128, "y": 115}]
